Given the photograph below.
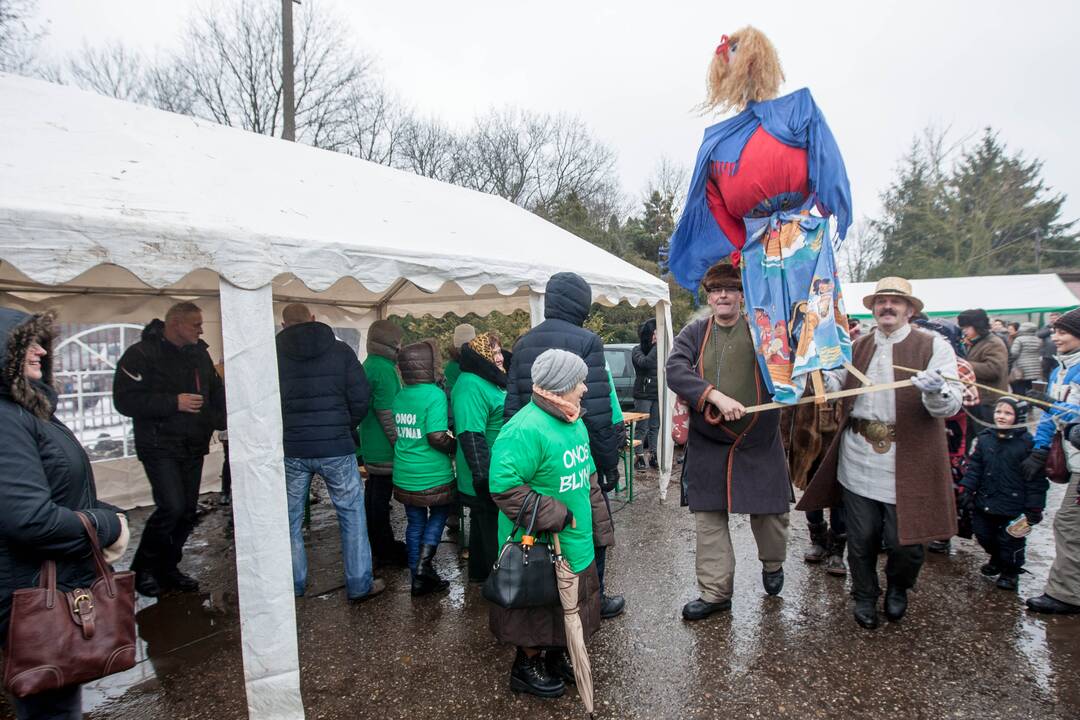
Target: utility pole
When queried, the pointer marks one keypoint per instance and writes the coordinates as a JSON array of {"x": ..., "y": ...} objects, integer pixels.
[
  {"x": 288, "y": 131},
  {"x": 1038, "y": 250}
]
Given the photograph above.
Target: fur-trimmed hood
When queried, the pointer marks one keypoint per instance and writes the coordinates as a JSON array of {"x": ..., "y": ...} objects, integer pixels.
[{"x": 17, "y": 331}]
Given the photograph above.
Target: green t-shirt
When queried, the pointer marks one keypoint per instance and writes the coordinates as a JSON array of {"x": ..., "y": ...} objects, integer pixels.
[
  {"x": 419, "y": 410},
  {"x": 616, "y": 409},
  {"x": 451, "y": 371},
  {"x": 478, "y": 407},
  {"x": 384, "y": 381},
  {"x": 551, "y": 457}
]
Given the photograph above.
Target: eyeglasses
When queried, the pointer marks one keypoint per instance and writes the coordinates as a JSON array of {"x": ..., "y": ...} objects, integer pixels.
[{"x": 718, "y": 289}]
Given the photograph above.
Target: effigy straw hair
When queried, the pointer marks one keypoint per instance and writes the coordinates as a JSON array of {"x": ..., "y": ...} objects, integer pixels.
[{"x": 754, "y": 73}]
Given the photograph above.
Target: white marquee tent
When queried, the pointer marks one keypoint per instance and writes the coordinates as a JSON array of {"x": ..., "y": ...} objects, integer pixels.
[
  {"x": 997, "y": 294},
  {"x": 111, "y": 211}
]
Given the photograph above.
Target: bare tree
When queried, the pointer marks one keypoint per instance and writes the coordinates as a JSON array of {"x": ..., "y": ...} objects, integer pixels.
[
  {"x": 671, "y": 180},
  {"x": 112, "y": 69},
  {"x": 860, "y": 253},
  {"x": 231, "y": 62},
  {"x": 19, "y": 35},
  {"x": 373, "y": 123},
  {"x": 427, "y": 147}
]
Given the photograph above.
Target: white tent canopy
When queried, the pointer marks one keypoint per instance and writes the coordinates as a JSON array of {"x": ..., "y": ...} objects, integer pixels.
[
  {"x": 109, "y": 209},
  {"x": 997, "y": 294}
]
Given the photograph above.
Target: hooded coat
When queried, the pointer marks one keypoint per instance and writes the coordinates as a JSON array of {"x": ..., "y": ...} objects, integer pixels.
[
  {"x": 1025, "y": 352},
  {"x": 45, "y": 475},
  {"x": 418, "y": 366},
  {"x": 324, "y": 392},
  {"x": 149, "y": 377},
  {"x": 993, "y": 473},
  {"x": 567, "y": 301}
]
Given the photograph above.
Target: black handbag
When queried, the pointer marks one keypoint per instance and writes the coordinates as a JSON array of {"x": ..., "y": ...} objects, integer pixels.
[{"x": 524, "y": 573}]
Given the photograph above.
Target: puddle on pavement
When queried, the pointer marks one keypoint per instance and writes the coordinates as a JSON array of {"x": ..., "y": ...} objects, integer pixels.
[{"x": 174, "y": 631}]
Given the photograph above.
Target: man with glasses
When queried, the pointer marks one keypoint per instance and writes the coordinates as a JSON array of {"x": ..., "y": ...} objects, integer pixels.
[{"x": 735, "y": 461}]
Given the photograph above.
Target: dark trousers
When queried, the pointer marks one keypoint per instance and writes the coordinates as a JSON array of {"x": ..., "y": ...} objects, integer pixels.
[
  {"x": 1005, "y": 551},
  {"x": 484, "y": 540},
  {"x": 379, "y": 491},
  {"x": 175, "y": 484},
  {"x": 226, "y": 471},
  {"x": 868, "y": 522},
  {"x": 61, "y": 704},
  {"x": 836, "y": 519},
  {"x": 647, "y": 430}
]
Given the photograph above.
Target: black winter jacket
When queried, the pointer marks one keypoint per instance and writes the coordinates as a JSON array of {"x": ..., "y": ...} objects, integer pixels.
[
  {"x": 994, "y": 475},
  {"x": 149, "y": 377},
  {"x": 324, "y": 392},
  {"x": 45, "y": 476},
  {"x": 644, "y": 358},
  {"x": 566, "y": 305}
]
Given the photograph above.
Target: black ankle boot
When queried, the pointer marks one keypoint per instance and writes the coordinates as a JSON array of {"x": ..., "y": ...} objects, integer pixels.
[
  {"x": 530, "y": 675},
  {"x": 559, "y": 666},
  {"x": 819, "y": 543},
  {"x": 426, "y": 580}
]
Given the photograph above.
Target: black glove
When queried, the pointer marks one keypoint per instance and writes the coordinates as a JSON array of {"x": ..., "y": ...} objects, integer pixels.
[
  {"x": 1034, "y": 464},
  {"x": 608, "y": 479},
  {"x": 1034, "y": 517},
  {"x": 966, "y": 500}
]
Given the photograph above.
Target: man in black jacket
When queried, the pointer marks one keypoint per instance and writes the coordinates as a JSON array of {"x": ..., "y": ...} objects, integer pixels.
[
  {"x": 567, "y": 299},
  {"x": 324, "y": 396},
  {"x": 167, "y": 384},
  {"x": 646, "y": 395}
]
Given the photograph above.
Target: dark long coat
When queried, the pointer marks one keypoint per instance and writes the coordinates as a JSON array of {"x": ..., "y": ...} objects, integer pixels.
[{"x": 723, "y": 470}]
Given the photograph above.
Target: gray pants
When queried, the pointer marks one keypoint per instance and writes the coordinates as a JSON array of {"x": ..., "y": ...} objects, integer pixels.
[
  {"x": 1063, "y": 582},
  {"x": 716, "y": 556},
  {"x": 646, "y": 430}
]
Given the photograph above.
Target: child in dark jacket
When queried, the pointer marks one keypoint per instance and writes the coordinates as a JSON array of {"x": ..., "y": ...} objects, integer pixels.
[{"x": 995, "y": 491}]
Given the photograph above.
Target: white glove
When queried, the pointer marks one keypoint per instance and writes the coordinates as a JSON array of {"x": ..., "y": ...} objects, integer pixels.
[{"x": 928, "y": 381}]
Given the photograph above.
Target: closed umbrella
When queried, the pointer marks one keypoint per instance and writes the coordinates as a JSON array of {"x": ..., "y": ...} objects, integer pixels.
[{"x": 575, "y": 634}]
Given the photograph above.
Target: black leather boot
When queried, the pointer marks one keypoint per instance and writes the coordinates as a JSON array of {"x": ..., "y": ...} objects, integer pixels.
[
  {"x": 895, "y": 603},
  {"x": 559, "y": 666},
  {"x": 866, "y": 613},
  {"x": 773, "y": 581},
  {"x": 819, "y": 543},
  {"x": 530, "y": 675},
  {"x": 834, "y": 563},
  {"x": 426, "y": 580}
]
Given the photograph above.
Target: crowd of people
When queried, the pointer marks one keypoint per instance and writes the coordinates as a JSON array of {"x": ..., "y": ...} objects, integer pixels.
[{"x": 899, "y": 470}]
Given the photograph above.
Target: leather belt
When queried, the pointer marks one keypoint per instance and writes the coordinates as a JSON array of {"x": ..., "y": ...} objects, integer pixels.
[{"x": 880, "y": 435}]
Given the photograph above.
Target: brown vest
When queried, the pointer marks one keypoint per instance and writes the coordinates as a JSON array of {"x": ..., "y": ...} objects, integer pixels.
[{"x": 925, "y": 503}]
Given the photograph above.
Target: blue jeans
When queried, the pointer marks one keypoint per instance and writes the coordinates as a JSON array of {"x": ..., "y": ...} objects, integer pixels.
[
  {"x": 342, "y": 477},
  {"x": 425, "y": 526}
]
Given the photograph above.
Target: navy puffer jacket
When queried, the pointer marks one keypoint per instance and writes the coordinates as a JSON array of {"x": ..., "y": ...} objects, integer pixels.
[
  {"x": 45, "y": 476},
  {"x": 994, "y": 475},
  {"x": 324, "y": 392},
  {"x": 567, "y": 300}
]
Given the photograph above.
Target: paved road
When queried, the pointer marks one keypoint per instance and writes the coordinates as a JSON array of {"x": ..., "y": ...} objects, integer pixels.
[{"x": 966, "y": 649}]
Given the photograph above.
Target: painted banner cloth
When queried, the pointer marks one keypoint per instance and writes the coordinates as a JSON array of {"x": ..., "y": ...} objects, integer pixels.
[{"x": 793, "y": 299}]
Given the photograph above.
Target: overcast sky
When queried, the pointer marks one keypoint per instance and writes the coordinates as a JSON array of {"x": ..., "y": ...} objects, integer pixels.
[{"x": 880, "y": 71}]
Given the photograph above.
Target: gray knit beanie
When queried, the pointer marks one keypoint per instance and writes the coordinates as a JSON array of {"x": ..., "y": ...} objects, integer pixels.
[
  {"x": 558, "y": 371},
  {"x": 463, "y": 333}
]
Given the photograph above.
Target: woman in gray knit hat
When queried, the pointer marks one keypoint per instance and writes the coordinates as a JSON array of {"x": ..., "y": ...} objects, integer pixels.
[{"x": 544, "y": 449}]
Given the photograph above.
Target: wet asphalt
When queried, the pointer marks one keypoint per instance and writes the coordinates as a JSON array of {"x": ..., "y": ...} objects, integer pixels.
[{"x": 965, "y": 650}]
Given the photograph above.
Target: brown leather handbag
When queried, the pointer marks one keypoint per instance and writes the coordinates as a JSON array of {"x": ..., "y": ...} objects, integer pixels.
[
  {"x": 1057, "y": 465},
  {"x": 63, "y": 638}
]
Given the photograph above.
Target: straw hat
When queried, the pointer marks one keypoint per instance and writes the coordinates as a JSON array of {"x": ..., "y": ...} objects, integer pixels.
[{"x": 896, "y": 286}]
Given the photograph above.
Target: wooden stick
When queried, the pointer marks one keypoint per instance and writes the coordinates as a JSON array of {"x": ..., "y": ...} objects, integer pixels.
[
  {"x": 831, "y": 396},
  {"x": 819, "y": 387},
  {"x": 1031, "y": 400},
  {"x": 858, "y": 375}
]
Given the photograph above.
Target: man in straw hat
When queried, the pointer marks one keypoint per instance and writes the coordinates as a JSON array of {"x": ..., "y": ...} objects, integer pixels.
[
  {"x": 889, "y": 465},
  {"x": 734, "y": 462}
]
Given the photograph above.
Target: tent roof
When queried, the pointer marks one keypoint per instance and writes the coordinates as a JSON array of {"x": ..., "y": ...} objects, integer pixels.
[
  {"x": 1003, "y": 294},
  {"x": 109, "y": 195}
]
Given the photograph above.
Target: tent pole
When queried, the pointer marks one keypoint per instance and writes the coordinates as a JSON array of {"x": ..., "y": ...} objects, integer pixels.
[
  {"x": 664, "y": 340},
  {"x": 263, "y": 569},
  {"x": 536, "y": 307}
]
